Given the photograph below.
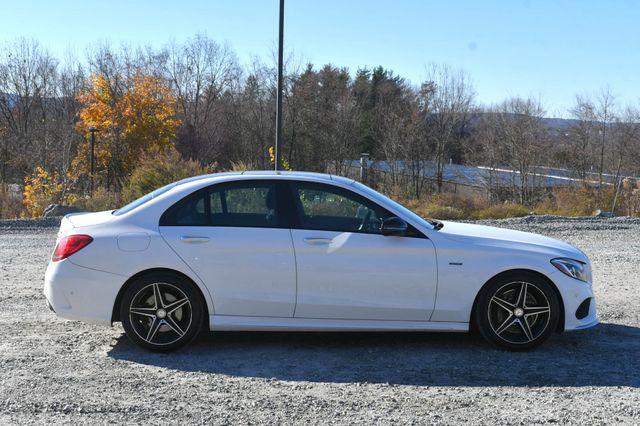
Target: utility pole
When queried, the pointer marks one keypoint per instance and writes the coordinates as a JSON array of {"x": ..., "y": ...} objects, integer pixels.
[
  {"x": 279, "y": 94},
  {"x": 93, "y": 131},
  {"x": 364, "y": 163}
]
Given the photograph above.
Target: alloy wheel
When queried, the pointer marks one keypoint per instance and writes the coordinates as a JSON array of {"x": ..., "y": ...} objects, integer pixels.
[
  {"x": 519, "y": 312},
  {"x": 160, "y": 313}
]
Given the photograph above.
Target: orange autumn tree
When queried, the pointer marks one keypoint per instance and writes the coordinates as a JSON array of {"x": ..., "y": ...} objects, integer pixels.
[
  {"x": 42, "y": 188},
  {"x": 131, "y": 119}
]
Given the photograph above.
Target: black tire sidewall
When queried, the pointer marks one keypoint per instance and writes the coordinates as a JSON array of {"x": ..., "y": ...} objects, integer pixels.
[
  {"x": 481, "y": 319},
  {"x": 197, "y": 309}
]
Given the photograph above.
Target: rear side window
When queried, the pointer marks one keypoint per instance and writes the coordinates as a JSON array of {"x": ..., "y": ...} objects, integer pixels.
[
  {"x": 192, "y": 212},
  {"x": 253, "y": 206},
  {"x": 239, "y": 204}
]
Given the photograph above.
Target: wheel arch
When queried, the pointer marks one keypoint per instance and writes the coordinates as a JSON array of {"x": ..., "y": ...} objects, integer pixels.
[
  {"x": 115, "y": 314},
  {"x": 553, "y": 285}
]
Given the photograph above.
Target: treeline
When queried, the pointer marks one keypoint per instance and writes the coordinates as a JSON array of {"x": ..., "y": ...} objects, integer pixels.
[{"x": 197, "y": 99}]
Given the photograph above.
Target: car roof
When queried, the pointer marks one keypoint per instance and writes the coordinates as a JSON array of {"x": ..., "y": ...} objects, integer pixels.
[{"x": 269, "y": 174}]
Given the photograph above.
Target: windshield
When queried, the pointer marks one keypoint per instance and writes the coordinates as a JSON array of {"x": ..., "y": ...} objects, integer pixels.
[
  {"x": 150, "y": 196},
  {"x": 140, "y": 201},
  {"x": 435, "y": 224}
]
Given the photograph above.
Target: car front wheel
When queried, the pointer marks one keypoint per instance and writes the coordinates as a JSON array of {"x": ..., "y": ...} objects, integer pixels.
[
  {"x": 161, "y": 312},
  {"x": 518, "y": 311}
]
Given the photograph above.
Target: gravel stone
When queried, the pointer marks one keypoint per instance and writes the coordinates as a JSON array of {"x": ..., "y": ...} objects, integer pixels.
[{"x": 56, "y": 371}]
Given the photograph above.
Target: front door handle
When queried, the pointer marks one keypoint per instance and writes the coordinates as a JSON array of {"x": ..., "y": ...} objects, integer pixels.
[
  {"x": 317, "y": 241},
  {"x": 191, "y": 239}
]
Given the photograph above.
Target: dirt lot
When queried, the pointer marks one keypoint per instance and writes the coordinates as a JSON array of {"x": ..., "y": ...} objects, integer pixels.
[{"x": 68, "y": 372}]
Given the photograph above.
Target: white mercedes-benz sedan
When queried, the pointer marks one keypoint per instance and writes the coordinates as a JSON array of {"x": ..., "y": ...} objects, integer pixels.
[{"x": 308, "y": 252}]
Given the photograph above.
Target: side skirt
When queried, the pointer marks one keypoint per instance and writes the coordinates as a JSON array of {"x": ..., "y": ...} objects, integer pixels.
[{"x": 240, "y": 323}]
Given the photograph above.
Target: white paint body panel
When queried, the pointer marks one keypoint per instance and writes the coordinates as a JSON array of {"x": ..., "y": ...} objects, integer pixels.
[
  {"x": 249, "y": 271},
  {"x": 238, "y": 323},
  {"x": 344, "y": 275},
  {"x": 269, "y": 279}
]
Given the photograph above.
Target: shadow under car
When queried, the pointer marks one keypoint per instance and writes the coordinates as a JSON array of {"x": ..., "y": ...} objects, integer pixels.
[{"x": 606, "y": 355}]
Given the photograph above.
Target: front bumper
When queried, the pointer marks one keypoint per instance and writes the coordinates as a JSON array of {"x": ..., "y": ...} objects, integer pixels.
[
  {"x": 78, "y": 293},
  {"x": 574, "y": 293}
]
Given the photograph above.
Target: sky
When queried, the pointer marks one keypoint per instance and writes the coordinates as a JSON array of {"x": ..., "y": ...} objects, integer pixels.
[{"x": 551, "y": 50}]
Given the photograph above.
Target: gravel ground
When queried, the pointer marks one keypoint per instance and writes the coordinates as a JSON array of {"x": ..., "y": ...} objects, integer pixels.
[{"x": 68, "y": 372}]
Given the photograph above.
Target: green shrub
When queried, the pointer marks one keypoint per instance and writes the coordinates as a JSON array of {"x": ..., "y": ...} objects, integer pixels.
[
  {"x": 445, "y": 206},
  {"x": 503, "y": 211},
  {"x": 101, "y": 200},
  {"x": 158, "y": 170},
  {"x": 443, "y": 212},
  {"x": 10, "y": 203},
  {"x": 578, "y": 201}
]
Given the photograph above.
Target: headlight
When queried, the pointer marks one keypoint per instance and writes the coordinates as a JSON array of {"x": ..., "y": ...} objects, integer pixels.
[{"x": 574, "y": 268}]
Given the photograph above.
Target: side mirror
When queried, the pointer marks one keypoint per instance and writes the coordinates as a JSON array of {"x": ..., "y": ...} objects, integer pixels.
[{"x": 393, "y": 226}]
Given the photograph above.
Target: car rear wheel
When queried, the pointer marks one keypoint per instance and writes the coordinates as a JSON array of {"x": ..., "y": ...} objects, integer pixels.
[
  {"x": 518, "y": 311},
  {"x": 161, "y": 312}
]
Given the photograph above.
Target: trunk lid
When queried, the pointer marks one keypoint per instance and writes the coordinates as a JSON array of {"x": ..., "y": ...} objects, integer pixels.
[{"x": 74, "y": 221}]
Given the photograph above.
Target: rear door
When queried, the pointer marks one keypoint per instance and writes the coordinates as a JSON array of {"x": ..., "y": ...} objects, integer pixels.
[
  {"x": 237, "y": 241},
  {"x": 347, "y": 269}
]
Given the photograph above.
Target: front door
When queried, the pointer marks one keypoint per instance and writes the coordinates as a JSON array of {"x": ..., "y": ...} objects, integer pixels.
[
  {"x": 347, "y": 269},
  {"x": 234, "y": 238}
]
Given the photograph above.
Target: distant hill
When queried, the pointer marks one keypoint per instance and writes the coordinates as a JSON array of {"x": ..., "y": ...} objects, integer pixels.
[
  {"x": 558, "y": 124},
  {"x": 9, "y": 98},
  {"x": 553, "y": 123}
]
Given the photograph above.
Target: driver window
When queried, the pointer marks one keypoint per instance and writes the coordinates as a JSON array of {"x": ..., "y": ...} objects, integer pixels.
[{"x": 327, "y": 208}]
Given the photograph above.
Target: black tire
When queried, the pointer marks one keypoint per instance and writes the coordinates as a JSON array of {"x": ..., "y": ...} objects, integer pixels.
[
  {"x": 165, "y": 324},
  {"x": 509, "y": 320}
]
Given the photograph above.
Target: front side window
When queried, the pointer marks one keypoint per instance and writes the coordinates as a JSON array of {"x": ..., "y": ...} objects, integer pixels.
[
  {"x": 242, "y": 204},
  {"x": 328, "y": 208}
]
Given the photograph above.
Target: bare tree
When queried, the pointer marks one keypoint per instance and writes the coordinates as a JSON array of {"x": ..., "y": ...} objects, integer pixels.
[
  {"x": 27, "y": 86},
  {"x": 450, "y": 101},
  {"x": 488, "y": 148},
  {"x": 520, "y": 130},
  {"x": 200, "y": 71},
  {"x": 582, "y": 137},
  {"x": 626, "y": 142},
  {"x": 604, "y": 113}
]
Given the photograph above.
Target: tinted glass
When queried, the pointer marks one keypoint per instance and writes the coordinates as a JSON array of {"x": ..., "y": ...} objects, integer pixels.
[
  {"x": 140, "y": 201},
  {"x": 244, "y": 205},
  {"x": 327, "y": 208},
  {"x": 191, "y": 212}
]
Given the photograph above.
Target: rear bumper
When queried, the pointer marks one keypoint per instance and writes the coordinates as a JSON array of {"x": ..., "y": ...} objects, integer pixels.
[
  {"x": 78, "y": 293},
  {"x": 574, "y": 293}
]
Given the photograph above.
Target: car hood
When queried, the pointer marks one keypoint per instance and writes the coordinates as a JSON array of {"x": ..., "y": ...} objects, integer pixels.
[{"x": 507, "y": 238}]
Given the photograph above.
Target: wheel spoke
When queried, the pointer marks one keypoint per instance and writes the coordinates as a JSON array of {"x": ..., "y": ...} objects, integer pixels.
[
  {"x": 155, "y": 325},
  {"x": 160, "y": 313},
  {"x": 522, "y": 324},
  {"x": 506, "y": 324},
  {"x": 174, "y": 326},
  {"x": 157, "y": 296},
  {"x": 503, "y": 303},
  {"x": 525, "y": 328},
  {"x": 535, "y": 310},
  {"x": 174, "y": 306},
  {"x": 147, "y": 312},
  {"x": 522, "y": 296}
]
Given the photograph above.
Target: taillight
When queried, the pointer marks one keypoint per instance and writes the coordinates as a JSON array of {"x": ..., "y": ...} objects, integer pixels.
[{"x": 69, "y": 245}]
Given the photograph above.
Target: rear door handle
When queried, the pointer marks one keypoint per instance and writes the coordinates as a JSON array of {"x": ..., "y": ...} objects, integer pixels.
[
  {"x": 317, "y": 241},
  {"x": 191, "y": 239}
]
